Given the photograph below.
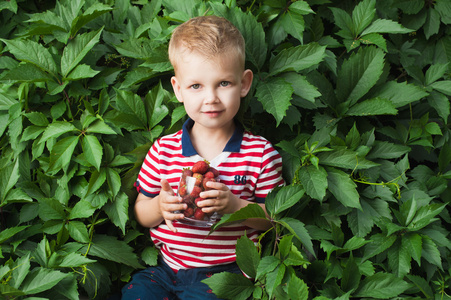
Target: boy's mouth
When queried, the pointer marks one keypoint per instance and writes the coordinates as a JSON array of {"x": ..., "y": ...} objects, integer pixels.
[{"x": 212, "y": 113}]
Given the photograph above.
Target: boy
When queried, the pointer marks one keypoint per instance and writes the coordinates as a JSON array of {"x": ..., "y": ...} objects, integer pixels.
[{"x": 208, "y": 56}]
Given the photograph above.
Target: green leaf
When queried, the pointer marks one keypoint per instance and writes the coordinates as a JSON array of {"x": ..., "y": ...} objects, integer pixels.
[
  {"x": 150, "y": 256},
  {"x": 379, "y": 243},
  {"x": 387, "y": 150},
  {"x": 41, "y": 279},
  {"x": 441, "y": 104},
  {"x": 297, "y": 289},
  {"x": 283, "y": 198},
  {"x": 32, "y": 52},
  {"x": 422, "y": 285},
  {"x": 131, "y": 104},
  {"x": 413, "y": 242},
  {"x": 96, "y": 181},
  {"x": 62, "y": 153},
  {"x": 399, "y": 259},
  {"x": 297, "y": 228},
  {"x": 230, "y": 286},
  {"x": 247, "y": 256},
  {"x": 293, "y": 23},
  {"x": 267, "y": 264},
  {"x": 345, "y": 159},
  {"x": 82, "y": 210},
  {"x": 301, "y": 86},
  {"x": 78, "y": 231},
  {"x": 274, "y": 279},
  {"x": 9, "y": 176},
  {"x": 93, "y": 12},
  {"x": 20, "y": 270},
  {"x": 314, "y": 181},
  {"x": 425, "y": 216},
  {"x": 56, "y": 129},
  {"x": 430, "y": 252},
  {"x": 435, "y": 72},
  {"x": 117, "y": 211},
  {"x": 359, "y": 74},
  {"x": 157, "y": 111},
  {"x": 81, "y": 72},
  {"x": 113, "y": 180},
  {"x": 351, "y": 276},
  {"x": 100, "y": 126},
  {"x": 249, "y": 211},
  {"x": 7, "y": 233},
  {"x": 432, "y": 24},
  {"x": 77, "y": 49},
  {"x": 110, "y": 248},
  {"x": 344, "y": 21},
  {"x": 343, "y": 188},
  {"x": 92, "y": 150},
  {"x": 363, "y": 14},
  {"x": 372, "y": 107},
  {"x": 297, "y": 58},
  {"x": 381, "y": 286},
  {"x": 275, "y": 95},
  {"x": 73, "y": 260},
  {"x": 385, "y": 26},
  {"x": 51, "y": 209}
]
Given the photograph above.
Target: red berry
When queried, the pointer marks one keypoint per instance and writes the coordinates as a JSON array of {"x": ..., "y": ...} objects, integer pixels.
[
  {"x": 201, "y": 167},
  {"x": 195, "y": 192},
  {"x": 199, "y": 214},
  {"x": 199, "y": 178},
  {"x": 214, "y": 171},
  {"x": 209, "y": 174},
  {"x": 197, "y": 200},
  {"x": 187, "y": 172},
  {"x": 188, "y": 199},
  {"x": 189, "y": 212},
  {"x": 182, "y": 190}
]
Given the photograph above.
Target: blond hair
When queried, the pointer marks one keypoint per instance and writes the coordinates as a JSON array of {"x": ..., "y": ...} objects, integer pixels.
[{"x": 210, "y": 36}]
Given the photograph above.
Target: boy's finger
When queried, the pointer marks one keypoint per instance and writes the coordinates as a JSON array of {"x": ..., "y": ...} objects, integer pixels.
[
  {"x": 171, "y": 227},
  {"x": 165, "y": 186}
]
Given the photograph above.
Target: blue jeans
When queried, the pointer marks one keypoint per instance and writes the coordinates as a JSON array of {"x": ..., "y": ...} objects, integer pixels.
[{"x": 160, "y": 282}]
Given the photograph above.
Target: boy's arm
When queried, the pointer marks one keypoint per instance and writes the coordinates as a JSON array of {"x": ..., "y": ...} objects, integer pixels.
[{"x": 150, "y": 212}]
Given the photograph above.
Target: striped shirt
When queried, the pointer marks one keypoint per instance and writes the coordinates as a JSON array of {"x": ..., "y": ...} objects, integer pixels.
[{"x": 248, "y": 165}]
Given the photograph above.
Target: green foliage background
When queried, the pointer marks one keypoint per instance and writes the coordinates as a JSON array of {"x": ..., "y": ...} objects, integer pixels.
[{"x": 355, "y": 95}]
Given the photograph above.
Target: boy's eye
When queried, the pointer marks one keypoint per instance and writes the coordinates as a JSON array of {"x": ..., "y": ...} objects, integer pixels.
[
  {"x": 224, "y": 83},
  {"x": 195, "y": 86}
]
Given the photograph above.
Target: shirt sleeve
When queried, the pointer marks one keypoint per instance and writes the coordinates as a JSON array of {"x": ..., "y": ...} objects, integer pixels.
[
  {"x": 148, "y": 182},
  {"x": 271, "y": 173}
]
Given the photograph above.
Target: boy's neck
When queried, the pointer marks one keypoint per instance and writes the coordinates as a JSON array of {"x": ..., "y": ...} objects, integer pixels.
[{"x": 209, "y": 143}]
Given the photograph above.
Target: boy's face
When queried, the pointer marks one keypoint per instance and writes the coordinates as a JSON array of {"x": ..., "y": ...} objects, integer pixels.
[{"x": 211, "y": 89}]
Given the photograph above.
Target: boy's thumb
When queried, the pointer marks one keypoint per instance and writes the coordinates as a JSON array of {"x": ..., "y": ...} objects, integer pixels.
[{"x": 165, "y": 186}]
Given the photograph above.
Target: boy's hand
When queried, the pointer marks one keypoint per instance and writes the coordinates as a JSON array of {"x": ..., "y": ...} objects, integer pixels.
[
  {"x": 220, "y": 199},
  {"x": 169, "y": 203}
]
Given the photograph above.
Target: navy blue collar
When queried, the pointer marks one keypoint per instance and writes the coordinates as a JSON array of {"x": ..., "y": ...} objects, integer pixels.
[{"x": 233, "y": 145}]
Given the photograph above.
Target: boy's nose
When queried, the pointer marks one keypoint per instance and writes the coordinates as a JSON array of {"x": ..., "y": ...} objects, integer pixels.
[{"x": 211, "y": 96}]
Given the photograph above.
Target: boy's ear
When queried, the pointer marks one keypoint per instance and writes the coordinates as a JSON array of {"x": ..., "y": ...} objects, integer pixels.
[
  {"x": 176, "y": 88},
  {"x": 246, "y": 82}
]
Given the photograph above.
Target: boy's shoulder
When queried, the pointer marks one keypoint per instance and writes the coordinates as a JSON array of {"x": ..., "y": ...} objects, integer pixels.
[{"x": 249, "y": 137}]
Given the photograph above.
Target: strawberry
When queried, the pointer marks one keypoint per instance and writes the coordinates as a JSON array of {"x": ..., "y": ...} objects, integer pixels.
[
  {"x": 188, "y": 199},
  {"x": 204, "y": 183},
  {"x": 189, "y": 212},
  {"x": 198, "y": 199},
  {"x": 199, "y": 178},
  {"x": 187, "y": 172},
  {"x": 199, "y": 214},
  {"x": 182, "y": 190},
  {"x": 195, "y": 192},
  {"x": 214, "y": 171},
  {"x": 201, "y": 167}
]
